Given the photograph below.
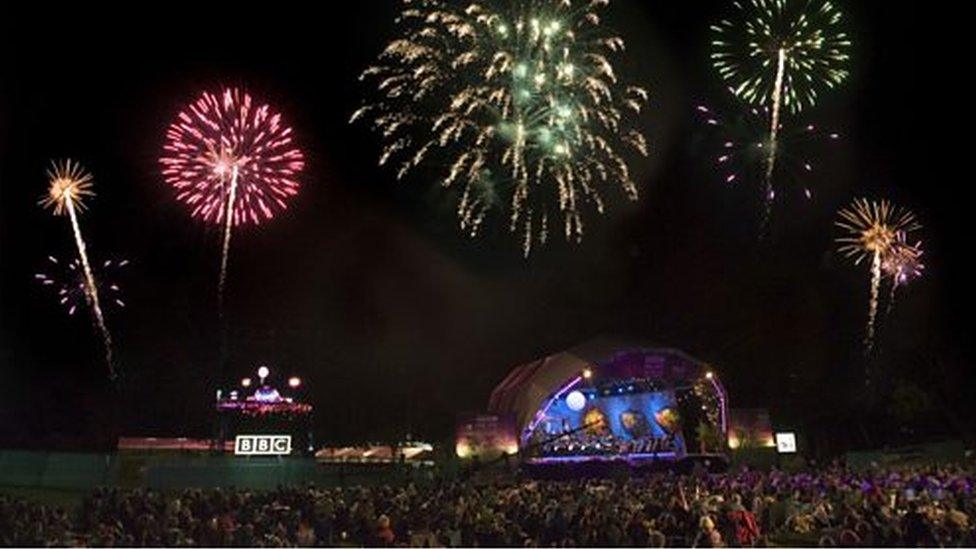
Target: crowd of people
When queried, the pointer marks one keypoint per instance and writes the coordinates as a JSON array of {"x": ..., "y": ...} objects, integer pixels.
[
  {"x": 830, "y": 506},
  {"x": 25, "y": 524}
]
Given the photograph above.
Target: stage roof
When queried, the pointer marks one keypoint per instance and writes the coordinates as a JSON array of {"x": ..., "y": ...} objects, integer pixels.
[{"x": 527, "y": 388}]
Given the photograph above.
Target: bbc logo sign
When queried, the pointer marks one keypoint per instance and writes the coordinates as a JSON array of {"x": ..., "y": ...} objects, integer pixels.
[{"x": 262, "y": 445}]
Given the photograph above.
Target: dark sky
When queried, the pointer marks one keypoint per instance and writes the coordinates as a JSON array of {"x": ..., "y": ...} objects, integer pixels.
[{"x": 365, "y": 288}]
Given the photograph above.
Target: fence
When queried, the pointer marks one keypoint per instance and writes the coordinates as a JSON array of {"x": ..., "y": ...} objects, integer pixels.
[{"x": 85, "y": 471}]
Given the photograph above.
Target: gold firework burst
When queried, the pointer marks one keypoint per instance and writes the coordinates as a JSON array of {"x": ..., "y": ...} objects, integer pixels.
[
  {"x": 873, "y": 228},
  {"x": 874, "y": 231},
  {"x": 68, "y": 181}
]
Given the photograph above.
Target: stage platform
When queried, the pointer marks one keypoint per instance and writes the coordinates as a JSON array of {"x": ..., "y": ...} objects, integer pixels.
[{"x": 568, "y": 468}]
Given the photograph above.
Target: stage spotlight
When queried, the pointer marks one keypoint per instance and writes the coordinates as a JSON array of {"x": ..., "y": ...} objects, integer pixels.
[
  {"x": 576, "y": 401},
  {"x": 263, "y": 373},
  {"x": 294, "y": 382},
  {"x": 734, "y": 442},
  {"x": 709, "y": 375},
  {"x": 246, "y": 382},
  {"x": 587, "y": 373}
]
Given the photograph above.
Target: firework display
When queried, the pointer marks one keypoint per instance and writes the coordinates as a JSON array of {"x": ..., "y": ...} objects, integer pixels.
[
  {"x": 743, "y": 144},
  {"x": 68, "y": 278},
  {"x": 875, "y": 232},
  {"x": 232, "y": 162},
  {"x": 68, "y": 186},
  {"x": 780, "y": 55},
  {"x": 520, "y": 115},
  {"x": 518, "y": 101}
]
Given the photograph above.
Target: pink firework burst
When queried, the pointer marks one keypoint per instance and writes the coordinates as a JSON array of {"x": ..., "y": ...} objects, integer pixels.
[{"x": 224, "y": 153}]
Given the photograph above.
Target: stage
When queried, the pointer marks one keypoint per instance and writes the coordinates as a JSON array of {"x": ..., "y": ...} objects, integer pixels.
[
  {"x": 570, "y": 468},
  {"x": 603, "y": 408}
]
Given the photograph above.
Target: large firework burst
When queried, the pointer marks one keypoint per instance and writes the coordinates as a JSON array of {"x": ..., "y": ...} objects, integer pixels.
[
  {"x": 68, "y": 185},
  {"x": 67, "y": 277},
  {"x": 518, "y": 102},
  {"x": 874, "y": 231},
  {"x": 742, "y": 144},
  {"x": 231, "y": 161},
  {"x": 780, "y": 54}
]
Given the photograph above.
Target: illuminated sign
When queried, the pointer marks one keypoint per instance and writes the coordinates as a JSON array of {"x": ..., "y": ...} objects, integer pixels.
[
  {"x": 262, "y": 445},
  {"x": 786, "y": 443}
]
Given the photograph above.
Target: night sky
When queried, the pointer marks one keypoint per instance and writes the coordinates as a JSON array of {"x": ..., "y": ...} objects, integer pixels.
[{"x": 365, "y": 288}]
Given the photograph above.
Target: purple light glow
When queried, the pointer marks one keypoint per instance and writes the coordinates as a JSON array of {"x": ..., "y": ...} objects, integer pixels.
[
  {"x": 541, "y": 414},
  {"x": 631, "y": 458}
]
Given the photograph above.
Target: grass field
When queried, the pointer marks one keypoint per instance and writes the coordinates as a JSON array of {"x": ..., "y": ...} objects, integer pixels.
[{"x": 68, "y": 499}]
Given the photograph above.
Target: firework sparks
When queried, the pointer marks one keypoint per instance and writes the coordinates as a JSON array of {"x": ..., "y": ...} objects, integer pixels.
[
  {"x": 902, "y": 264},
  {"x": 517, "y": 100},
  {"x": 874, "y": 231},
  {"x": 743, "y": 141},
  {"x": 68, "y": 278},
  {"x": 780, "y": 54},
  {"x": 232, "y": 162},
  {"x": 68, "y": 185}
]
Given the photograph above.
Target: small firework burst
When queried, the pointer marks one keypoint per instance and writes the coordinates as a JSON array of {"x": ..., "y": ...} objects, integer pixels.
[
  {"x": 742, "y": 144},
  {"x": 68, "y": 185},
  {"x": 873, "y": 228},
  {"x": 67, "y": 278},
  {"x": 903, "y": 262}
]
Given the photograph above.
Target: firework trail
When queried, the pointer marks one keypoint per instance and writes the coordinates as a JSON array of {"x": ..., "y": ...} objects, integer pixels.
[
  {"x": 68, "y": 185},
  {"x": 68, "y": 278},
  {"x": 232, "y": 162},
  {"x": 872, "y": 233},
  {"x": 742, "y": 143},
  {"x": 780, "y": 54},
  {"x": 517, "y": 100},
  {"x": 228, "y": 225}
]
